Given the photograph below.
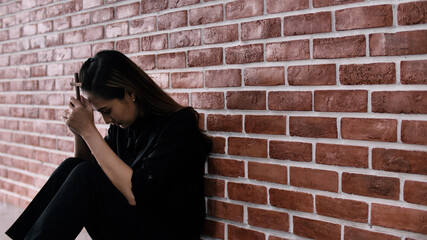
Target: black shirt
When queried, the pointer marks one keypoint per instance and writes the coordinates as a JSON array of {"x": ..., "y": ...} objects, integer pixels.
[{"x": 167, "y": 155}]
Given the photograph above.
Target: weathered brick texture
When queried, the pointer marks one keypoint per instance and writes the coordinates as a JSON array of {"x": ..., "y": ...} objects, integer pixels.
[{"x": 316, "y": 108}]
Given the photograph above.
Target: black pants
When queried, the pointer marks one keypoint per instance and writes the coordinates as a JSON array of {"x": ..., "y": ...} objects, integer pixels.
[{"x": 78, "y": 194}]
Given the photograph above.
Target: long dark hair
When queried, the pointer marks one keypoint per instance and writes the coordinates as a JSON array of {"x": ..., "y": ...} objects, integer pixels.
[{"x": 110, "y": 73}]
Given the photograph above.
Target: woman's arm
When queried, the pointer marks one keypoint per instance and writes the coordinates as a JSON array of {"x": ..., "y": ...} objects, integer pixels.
[
  {"x": 81, "y": 123},
  {"x": 116, "y": 170},
  {"x": 81, "y": 150}
]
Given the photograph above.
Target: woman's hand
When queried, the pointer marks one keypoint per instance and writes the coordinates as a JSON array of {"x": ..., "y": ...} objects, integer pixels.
[{"x": 79, "y": 116}]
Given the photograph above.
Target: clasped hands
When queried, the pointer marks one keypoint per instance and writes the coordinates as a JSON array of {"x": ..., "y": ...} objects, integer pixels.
[{"x": 79, "y": 116}]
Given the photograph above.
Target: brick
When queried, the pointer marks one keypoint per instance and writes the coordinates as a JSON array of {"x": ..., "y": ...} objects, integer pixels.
[
  {"x": 250, "y": 147},
  {"x": 351, "y": 233},
  {"x": 236, "y": 233},
  {"x": 55, "y": 69},
  {"x": 364, "y": 17},
  {"x": 187, "y": 80},
  {"x": 319, "y": 179},
  {"x": 214, "y": 187},
  {"x": 185, "y": 38},
  {"x": 171, "y": 60},
  {"x": 94, "y": 33},
  {"x": 80, "y": 20},
  {"x": 340, "y": 47},
  {"x": 224, "y": 123},
  {"x": 37, "y": 42},
  {"x": 324, "y": 3},
  {"x": 286, "y": 51},
  {"x": 154, "y": 42},
  {"x": 172, "y": 20},
  {"x": 205, "y": 15},
  {"x": 315, "y": 229},
  {"x": 415, "y": 192},
  {"x": 267, "y": 172},
  {"x": 73, "y": 37},
  {"x": 116, "y": 30},
  {"x": 53, "y": 40},
  {"x": 128, "y": 45},
  {"x": 264, "y": 76},
  {"x": 246, "y": 100},
  {"x": 205, "y": 57},
  {"x": 102, "y": 46},
  {"x": 297, "y": 201},
  {"x": 218, "y": 145},
  {"x": 82, "y": 51},
  {"x": 181, "y": 98},
  {"x": 92, "y": 3},
  {"x": 413, "y": 72},
  {"x": 38, "y": 71},
  {"x": 214, "y": 229},
  {"x": 290, "y": 101},
  {"x": 294, "y": 151},
  {"x": 277, "y": 6},
  {"x": 62, "y": 54},
  {"x": 44, "y": 27},
  {"x": 4, "y": 35},
  {"x": 102, "y": 15},
  {"x": 382, "y": 130},
  {"x": 208, "y": 100},
  {"x": 243, "y": 9},
  {"x": 221, "y": 34},
  {"x": 54, "y": 10},
  {"x": 399, "y": 218},
  {"x": 142, "y": 25},
  {"x": 409, "y": 102},
  {"x": 244, "y": 54},
  {"x": 128, "y": 10},
  {"x": 261, "y": 29},
  {"x": 341, "y": 100},
  {"x": 307, "y": 24},
  {"x": 371, "y": 186},
  {"x": 312, "y": 75},
  {"x": 153, "y": 5},
  {"x": 223, "y": 78},
  {"x": 247, "y": 192},
  {"x": 35, "y": 15},
  {"x": 414, "y": 132},
  {"x": 342, "y": 155},
  {"x": 412, "y": 13},
  {"x": 161, "y": 79},
  {"x": 148, "y": 62},
  {"x": 355, "y": 211},
  {"x": 374, "y": 73},
  {"x": 229, "y": 211},
  {"x": 176, "y": 4},
  {"x": 400, "y": 43},
  {"x": 61, "y": 23},
  {"x": 268, "y": 219},
  {"x": 317, "y": 127},
  {"x": 265, "y": 124}
]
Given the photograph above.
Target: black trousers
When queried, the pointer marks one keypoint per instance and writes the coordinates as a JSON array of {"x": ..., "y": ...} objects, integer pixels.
[{"x": 78, "y": 194}]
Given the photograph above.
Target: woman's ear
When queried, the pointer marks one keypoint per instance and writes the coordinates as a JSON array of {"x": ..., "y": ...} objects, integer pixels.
[{"x": 131, "y": 94}]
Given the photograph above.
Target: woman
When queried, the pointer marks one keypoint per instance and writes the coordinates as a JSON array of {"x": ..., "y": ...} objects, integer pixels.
[{"x": 144, "y": 180}]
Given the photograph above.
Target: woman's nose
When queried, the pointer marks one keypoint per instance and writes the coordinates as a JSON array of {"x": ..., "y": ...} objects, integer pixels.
[{"x": 107, "y": 118}]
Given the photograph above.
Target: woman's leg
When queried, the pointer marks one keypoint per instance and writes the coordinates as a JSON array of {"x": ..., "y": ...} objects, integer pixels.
[
  {"x": 87, "y": 198},
  {"x": 30, "y": 215}
]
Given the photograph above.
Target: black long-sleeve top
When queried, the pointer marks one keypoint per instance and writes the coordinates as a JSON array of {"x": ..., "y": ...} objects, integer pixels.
[{"x": 167, "y": 155}]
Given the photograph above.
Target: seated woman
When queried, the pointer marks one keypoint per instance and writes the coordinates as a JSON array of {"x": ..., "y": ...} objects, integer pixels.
[{"x": 144, "y": 180}]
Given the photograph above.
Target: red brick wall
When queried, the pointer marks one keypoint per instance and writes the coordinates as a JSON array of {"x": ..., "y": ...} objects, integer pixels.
[{"x": 317, "y": 108}]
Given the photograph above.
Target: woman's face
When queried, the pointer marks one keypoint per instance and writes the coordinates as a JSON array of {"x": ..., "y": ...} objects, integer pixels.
[{"x": 120, "y": 112}]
